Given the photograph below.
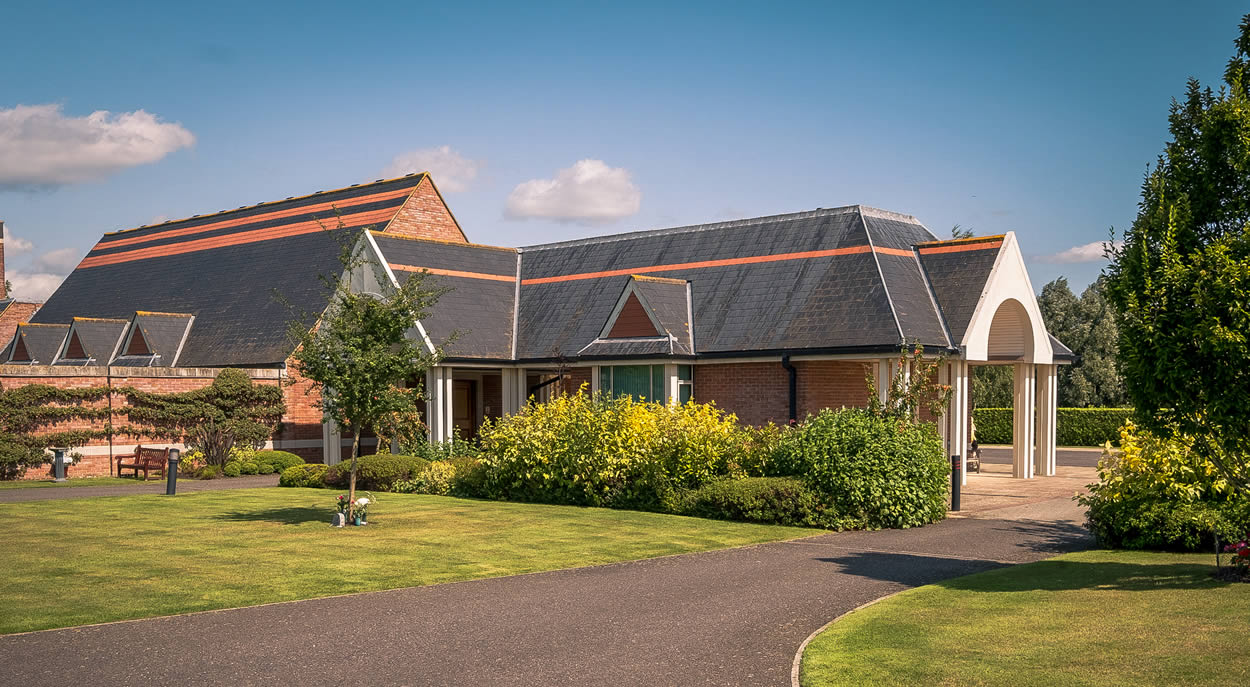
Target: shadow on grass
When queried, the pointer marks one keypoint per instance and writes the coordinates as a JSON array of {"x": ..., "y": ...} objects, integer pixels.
[{"x": 293, "y": 515}]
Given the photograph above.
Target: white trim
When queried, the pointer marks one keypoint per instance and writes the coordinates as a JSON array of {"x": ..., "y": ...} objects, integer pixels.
[
  {"x": 182, "y": 342},
  {"x": 620, "y": 305},
  {"x": 690, "y": 316},
  {"x": 1008, "y": 280},
  {"x": 516, "y": 303}
]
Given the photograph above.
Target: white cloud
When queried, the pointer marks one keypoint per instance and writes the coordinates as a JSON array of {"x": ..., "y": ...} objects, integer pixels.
[
  {"x": 40, "y": 146},
  {"x": 15, "y": 245},
  {"x": 589, "y": 192},
  {"x": 1090, "y": 252},
  {"x": 451, "y": 171},
  {"x": 34, "y": 286},
  {"x": 59, "y": 261}
]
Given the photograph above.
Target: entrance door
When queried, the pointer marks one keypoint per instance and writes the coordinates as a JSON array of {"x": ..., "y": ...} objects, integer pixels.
[{"x": 464, "y": 407}]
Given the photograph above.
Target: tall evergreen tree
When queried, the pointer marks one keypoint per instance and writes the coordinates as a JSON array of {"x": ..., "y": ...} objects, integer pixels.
[
  {"x": 1087, "y": 326},
  {"x": 1181, "y": 281}
]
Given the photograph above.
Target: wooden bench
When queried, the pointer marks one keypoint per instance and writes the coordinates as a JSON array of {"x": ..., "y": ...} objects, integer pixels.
[{"x": 145, "y": 459}]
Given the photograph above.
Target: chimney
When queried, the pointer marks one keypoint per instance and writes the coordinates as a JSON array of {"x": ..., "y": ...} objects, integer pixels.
[{"x": 4, "y": 289}]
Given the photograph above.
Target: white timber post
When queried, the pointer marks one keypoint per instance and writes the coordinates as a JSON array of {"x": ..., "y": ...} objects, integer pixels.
[
  {"x": 449, "y": 426},
  {"x": 884, "y": 368},
  {"x": 959, "y": 418},
  {"x": 1023, "y": 426},
  {"x": 671, "y": 384},
  {"x": 1047, "y": 412},
  {"x": 433, "y": 403},
  {"x": 944, "y": 376}
]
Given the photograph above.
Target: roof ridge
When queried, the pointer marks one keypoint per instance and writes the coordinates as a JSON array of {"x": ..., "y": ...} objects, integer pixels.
[
  {"x": 970, "y": 239},
  {"x": 691, "y": 228},
  {"x": 151, "y": 313},
  {"x": 662, "y": 280},
  {"x": 40, "y": 324},
  {"x": 268, "y": 202},
  {"x": 876, "y": 259},
  {"x": 384, "y": 234},
  {"x": 99, "y": 319}
]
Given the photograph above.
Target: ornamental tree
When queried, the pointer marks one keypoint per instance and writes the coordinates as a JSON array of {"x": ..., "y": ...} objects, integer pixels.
[
  {"x": 213, "y": 419},
  {"x": 1181, "y": 281},
  {"x": 362, "y": 352}
]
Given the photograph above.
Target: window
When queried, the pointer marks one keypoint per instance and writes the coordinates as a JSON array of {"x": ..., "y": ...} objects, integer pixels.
[
  {"x": 685, "y": 383},
  {"x": 639, "y": 381}
]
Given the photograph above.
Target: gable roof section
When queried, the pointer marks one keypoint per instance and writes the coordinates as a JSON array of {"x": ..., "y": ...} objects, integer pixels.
[
  {"x": 37, "y": 344},
  {"x": 958, "y": 271},
  {"x": 155, "y": 339},
  {"x": 807, "y": 280},
  {"x": 233, "y": 270},
  {"x": 92, "y": 341},
  {"x": 478, "y": 306}
]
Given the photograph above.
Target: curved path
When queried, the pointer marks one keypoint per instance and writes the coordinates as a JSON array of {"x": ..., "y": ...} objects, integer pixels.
[{"x": 732, "y": 617}]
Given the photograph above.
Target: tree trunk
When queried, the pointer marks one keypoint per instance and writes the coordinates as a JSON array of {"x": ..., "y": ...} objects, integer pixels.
[{"x": 351, "y": 480}]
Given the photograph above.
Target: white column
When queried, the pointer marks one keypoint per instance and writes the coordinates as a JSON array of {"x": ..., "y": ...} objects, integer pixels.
[
  {"x": 884, "y": 367},
  {"x": 331, "y": 442},
  {"x": 1047, "y": 411},
  {"x": 959, "y": 419},
  {"x": 944, "y": 376},
  {"x": 1023, "y": 427},
  {"x": 433, "y": 403},
  {"x": 448, "y": 413},
  {"x": 670, "y": 384}
]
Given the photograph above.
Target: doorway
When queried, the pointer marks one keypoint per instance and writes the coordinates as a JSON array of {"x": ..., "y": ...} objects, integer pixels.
[{"x": 464, "y": 407}]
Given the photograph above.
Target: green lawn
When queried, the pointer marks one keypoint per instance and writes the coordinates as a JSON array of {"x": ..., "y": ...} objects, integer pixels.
[
  {"x": 75, "y": 482},
  {"x": 1090, "y": 618},
  {"x": 93, "y": 560}
]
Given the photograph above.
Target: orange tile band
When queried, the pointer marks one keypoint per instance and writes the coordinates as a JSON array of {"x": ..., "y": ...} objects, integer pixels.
[
  {"x": 453, "y": 273},
  {"x": 779, "y": 257},
  {"x": 225, "y": 224},
  {"x": 296, "y": 229},
  {"x": 959, "y": 248}
]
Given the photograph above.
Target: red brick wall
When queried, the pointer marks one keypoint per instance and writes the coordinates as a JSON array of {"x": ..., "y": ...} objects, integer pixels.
[
  {"x": 573, "y": 380},
  {"x": 425, "y": 216},
  {"x": 492, "y": 395},
  {"x": 302, "y": 421},
  {"x": 759, "y": 393},
  {"x": 13, "y": 315},
  {"x": 632, "y": 321}
]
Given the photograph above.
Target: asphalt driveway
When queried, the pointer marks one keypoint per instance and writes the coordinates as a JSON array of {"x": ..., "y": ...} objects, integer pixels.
[
  {"x": 732, "y": 617},
  {"x": 1080, "y": 457}
]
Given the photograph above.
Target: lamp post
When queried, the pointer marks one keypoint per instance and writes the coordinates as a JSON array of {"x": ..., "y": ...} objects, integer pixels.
[{"x": 171, "y": 472}]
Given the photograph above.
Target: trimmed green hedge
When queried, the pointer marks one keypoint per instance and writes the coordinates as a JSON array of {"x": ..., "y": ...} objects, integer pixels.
[{"x": 1077, "y": 426}]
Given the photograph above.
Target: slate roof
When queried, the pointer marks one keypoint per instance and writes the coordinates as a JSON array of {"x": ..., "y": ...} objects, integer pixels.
[
  {"x": 481, "y": 283},
  {"x": 233, "y": 270},
  {"x": 163, "y": 335},
  {"x": 809, "y": 280},
  {"x": 40, "y": 341},
  {"x": 100, "y": 339},
  {"x": 958, "y": 276},
  {"x": 666, "y": 299}
]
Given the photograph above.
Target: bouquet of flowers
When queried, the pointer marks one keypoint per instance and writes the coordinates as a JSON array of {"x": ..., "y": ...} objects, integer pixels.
[{"x": 358, "y": 508}]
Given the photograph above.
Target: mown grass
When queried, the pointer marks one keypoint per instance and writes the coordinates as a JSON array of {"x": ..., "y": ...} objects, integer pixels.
[
  {"x": 1090, "y": 618},
  {"x": 94, "y": 560},
  {"x": 75, "y": 482}
]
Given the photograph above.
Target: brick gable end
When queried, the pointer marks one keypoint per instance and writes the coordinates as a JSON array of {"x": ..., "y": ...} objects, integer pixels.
[{"x": 425, "y": 216}]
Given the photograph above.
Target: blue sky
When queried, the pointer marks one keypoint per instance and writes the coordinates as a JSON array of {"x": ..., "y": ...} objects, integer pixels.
[{"x": 1037, "y": 119}]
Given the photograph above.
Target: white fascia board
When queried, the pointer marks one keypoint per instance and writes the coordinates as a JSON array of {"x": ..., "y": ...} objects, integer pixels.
[{"x": 1008, "y": 280}]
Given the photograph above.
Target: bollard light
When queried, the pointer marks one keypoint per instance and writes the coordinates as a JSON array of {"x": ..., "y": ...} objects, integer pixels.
[
  {"x": 957, "y": 470},
  {"x": 171, "y": 472},
  {"x": 58, "y": 464}
]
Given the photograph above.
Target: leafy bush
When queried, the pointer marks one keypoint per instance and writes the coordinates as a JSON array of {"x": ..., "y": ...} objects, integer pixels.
[
  {"x": 209, "y": 472},
  {"x": 280, "y": 460},
  {"x": 470, "y": 479},
  {"x": 265, "y": 469},
  {"x": 778, "y": 500},
  {"x": 600, "y": 451},
  {"x": 1159, "y": 494},
  {"x": 233, "y": 468},
  {"x": 870, "y": 470},
  {"x": 377, "y": 472},
  {"x": 308, "y": 475},
  {"x": 435, "y": 479},
  {"x": 443, "y": 450},
  {"x": 1074, "y": 426},
  {"x": 248, "y": 468}
]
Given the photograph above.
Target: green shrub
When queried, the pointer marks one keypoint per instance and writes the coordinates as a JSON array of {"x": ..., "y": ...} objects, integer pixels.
[
  {"x": 600, "y": 451},
  {"x": 265, "y": 469},
  {"x": 376, "y": 472},
  {"x": 233, "y": 468},
  {"x": 443, "y": 450},
  {"x": 872, "y": 471},
  {"x": 208, "y": 472},
  {"x": 1159, "y": 494},
  {"x": 248, "y": 468},
  {"x": 307, "y": 475},
  {"x": 280, "y": 460},
  {"x": 778, "y": 500},
  {"x": 1074, "y": 426},
  {"x": 470, "y": 479},
  {"x": 436, "y": 479}
]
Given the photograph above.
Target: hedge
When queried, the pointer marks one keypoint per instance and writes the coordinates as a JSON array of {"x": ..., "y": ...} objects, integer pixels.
[{"x": 1076, "y": 426}]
